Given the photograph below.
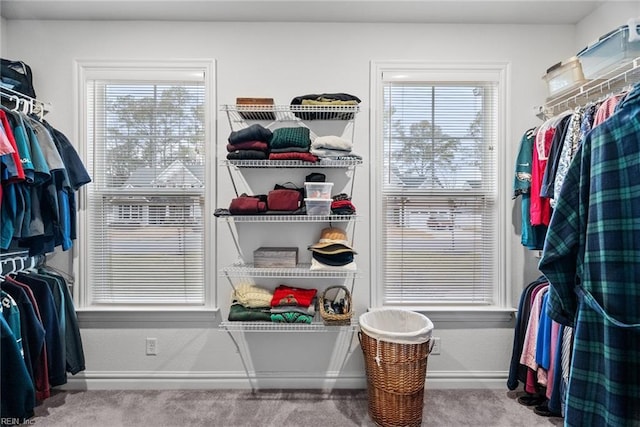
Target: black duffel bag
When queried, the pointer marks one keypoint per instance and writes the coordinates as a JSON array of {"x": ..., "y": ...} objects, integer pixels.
[{"x": 16, "y": 75}]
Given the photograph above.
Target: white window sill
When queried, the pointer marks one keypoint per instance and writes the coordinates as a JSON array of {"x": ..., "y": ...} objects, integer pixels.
[
  {"x": 464, "y": 314},
  {"x": 155, "y": 318}
]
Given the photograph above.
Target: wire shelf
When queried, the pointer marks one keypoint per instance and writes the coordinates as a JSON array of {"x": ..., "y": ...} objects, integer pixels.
[
  {"x": 322, "y": 163},
  {"x": 300, "y": 271},
  {"x": 615, "y": 80},
  {"x": 25, "y": 103},
  {"x": 289, "y": 218},
  {"x": 259, "y": 112},
  {"x": 261, "y": 326}
]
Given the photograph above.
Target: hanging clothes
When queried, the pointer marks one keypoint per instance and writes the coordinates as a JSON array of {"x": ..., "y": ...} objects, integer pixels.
[
  {"x": 592, "y": 260},
  {"x": 540, "y": 207},
  {"x": 33, "y": 335},
  {"x": 518, "y": 371},
  {"x": 39, "y": 312},
  {"x": 18, "y": 395},
  {"x": 531, "y": 237},
  {"x": 39, "y": 180}
]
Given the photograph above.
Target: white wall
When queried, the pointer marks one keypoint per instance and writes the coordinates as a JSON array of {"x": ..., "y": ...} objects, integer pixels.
[
  {"x": 3, "y": 37},
  {"x": 283, "y": 61}
]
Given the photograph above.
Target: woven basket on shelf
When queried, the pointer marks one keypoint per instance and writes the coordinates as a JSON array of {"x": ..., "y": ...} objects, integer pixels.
[{"x": 334, "y": 318}]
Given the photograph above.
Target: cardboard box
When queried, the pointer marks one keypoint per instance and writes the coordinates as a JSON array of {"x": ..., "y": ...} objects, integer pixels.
[
  {"x": 255, "y": 108},
  {"x": 275, "y": 257}
]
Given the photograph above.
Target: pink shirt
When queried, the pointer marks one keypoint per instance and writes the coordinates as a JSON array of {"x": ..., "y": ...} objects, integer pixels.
[
  {"x": 540, "y": 208},
  {"x": 606, "y": 109}
]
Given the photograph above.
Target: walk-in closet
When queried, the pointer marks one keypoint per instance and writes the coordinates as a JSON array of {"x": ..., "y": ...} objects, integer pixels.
[{"x": 327, "y": 212}]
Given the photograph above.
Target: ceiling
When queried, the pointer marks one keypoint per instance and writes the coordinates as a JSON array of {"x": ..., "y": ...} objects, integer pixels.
[{"x": 373, "y": 11}]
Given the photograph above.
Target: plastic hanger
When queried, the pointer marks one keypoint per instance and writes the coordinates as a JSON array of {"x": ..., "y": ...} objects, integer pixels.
[
  {"x": 16, "y": 102},
  {"x": 27, "y": 106}
]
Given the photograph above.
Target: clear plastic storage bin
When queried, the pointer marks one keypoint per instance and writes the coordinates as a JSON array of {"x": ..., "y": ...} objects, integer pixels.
[
  {"x": 318, "y": 190},
  {"x": 611, "y": 50},
  {"x": 564, "y": 76},
  {"x": 318, "y": 206}
]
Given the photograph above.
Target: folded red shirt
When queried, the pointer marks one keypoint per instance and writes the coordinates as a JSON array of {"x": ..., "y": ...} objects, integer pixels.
[
  {"x": 285, "y": 295},
  {"x": 248, "y": 145},
  {"x": 305, "y": 157},
  {"x": 341, "y": 204}
]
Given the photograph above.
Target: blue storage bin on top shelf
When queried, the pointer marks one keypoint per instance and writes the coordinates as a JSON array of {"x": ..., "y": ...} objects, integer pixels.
[{"x": 612, "y": 50}]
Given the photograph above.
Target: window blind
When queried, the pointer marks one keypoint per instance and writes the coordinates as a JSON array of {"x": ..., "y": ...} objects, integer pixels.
[
  {"x": 146, "y": 142},
  {"x": 439, "y": 213}
]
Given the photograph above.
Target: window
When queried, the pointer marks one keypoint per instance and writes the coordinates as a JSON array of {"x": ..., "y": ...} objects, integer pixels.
[
  {"x": 145, "y": 228},
  {"x": 436, "y": 207}
]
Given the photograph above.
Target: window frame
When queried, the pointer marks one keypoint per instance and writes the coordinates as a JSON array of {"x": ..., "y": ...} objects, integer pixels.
[
  {"x": 147, "y": 69},
  {"x": 501, "y": 309}
]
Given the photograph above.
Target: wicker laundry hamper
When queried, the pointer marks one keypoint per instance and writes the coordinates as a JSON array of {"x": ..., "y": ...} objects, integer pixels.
[{"x": 396, "y": 344}]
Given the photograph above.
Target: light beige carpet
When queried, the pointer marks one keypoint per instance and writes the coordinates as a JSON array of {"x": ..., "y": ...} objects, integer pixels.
[{"x": 230, "y": 408}]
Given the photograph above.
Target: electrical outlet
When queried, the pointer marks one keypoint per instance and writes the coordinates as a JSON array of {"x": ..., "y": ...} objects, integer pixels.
[
  {"x": 152, "y": 346},
  {"x": 436, "y": 346}
]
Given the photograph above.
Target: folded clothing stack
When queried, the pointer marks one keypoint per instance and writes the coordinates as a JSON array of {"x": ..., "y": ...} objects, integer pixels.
[
  {"x": 291, "y": 143},
  {"x": 325, "y": 99},
  {"x": 250, "y": 303},
  {"x": 341, "y": 205},
  {"x": 293, "y": 305},
  {"x": 285, "y": 304},
  {"x": 251, "y": 143}
]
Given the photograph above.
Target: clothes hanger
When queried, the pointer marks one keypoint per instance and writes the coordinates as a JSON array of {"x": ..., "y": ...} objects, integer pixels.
[
  {"x": 16, "y": 102},
  {"x": 13, "y": 268},
  {"x": 531, "y": 132},
  {"x": 47, "y": 268},
  {"x": 9, "y": 271},
  {"x": 27, "y": 106}
]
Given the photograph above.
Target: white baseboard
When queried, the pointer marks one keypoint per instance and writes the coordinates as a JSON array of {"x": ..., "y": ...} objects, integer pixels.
[{"x": 149, "y": 380}]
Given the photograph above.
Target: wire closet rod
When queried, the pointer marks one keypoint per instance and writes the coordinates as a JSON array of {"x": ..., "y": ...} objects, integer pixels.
[{"x": 13, "y": 262}]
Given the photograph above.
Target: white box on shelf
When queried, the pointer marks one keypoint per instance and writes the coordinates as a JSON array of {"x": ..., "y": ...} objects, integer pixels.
[
  {"x": 318, "y": 190},
  {"x": 318, "y": 206},
  {"x": 564, "y": 76}
]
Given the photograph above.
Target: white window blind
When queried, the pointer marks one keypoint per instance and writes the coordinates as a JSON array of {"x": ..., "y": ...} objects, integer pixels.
[
  {"x": 146, "y": 149},
  {"x": 439, "y": 212}
]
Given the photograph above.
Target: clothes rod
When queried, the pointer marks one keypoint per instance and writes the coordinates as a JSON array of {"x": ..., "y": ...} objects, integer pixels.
[{"x": 36, "y": 105}]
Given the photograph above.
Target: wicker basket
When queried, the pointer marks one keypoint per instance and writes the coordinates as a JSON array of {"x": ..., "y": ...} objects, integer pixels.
[
  {"x": 395, "y": 380},
  {"x": 334, "y": 318}
]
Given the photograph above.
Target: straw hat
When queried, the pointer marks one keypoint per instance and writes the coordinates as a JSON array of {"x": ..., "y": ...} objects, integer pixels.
[{"x": 333, "y": 240}]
